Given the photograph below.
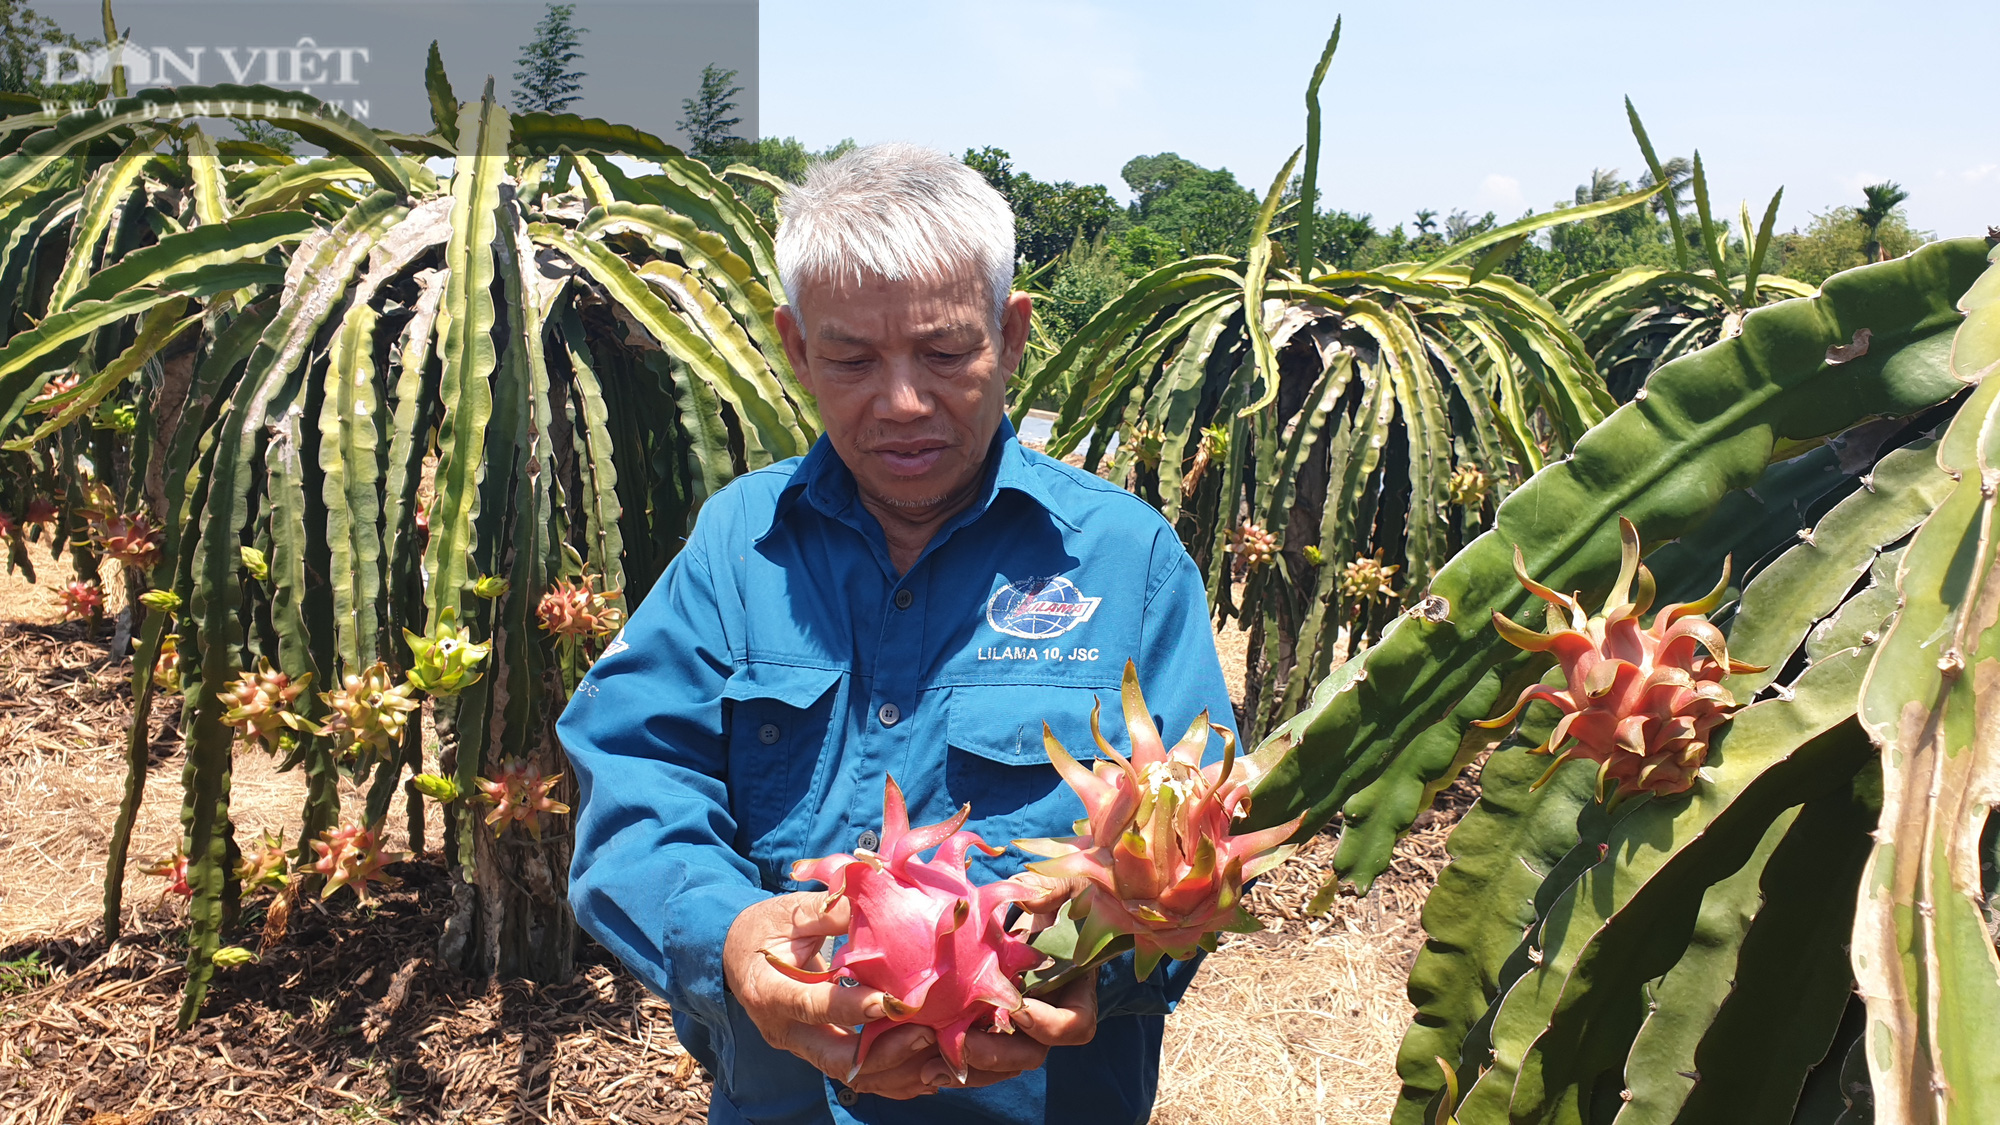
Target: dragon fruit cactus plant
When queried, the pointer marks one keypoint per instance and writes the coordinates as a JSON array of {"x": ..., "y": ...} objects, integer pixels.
[
  {"x": 922, "y": 934},
  {"x": 352, "y": 856},
  {"x": 1640, "y": 702},
  {"x": 369, "y": 712},
  {"x": 260, "y": 705},
  {"x": 520, "y": 795},
  {"x": 1155, "y": 847}
]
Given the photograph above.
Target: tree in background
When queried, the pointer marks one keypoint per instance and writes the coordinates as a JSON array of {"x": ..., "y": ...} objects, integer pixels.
[
  {"x": 1834, "y": 240},
  {"x": 269, "y": 135},
  {"x": 1048, "y": 217},
  {"x": 1089, "y": 278},
  {"x": 1882, "y": 199},
  {"x": 1203, "y": 211},
  {"x": 706, "y": 118},
  {"x": 24, "y": 35},
  {"x": 547, "y": 80}
]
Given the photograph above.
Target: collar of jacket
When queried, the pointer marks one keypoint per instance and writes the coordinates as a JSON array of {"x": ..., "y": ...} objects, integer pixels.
[{"x": 822, "y": 479}]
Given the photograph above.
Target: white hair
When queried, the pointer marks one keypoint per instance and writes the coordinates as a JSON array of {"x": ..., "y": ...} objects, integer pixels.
[{"x": 901, "y": 212}]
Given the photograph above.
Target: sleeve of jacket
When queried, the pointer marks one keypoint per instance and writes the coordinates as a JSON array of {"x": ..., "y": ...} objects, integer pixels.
[
  {"x": 654, "y": 877},
  {"x": 1177, "y": 661}
]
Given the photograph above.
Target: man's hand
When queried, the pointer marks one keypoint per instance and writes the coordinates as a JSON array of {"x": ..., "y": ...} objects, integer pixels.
[{"x": 815, "y": 1021}]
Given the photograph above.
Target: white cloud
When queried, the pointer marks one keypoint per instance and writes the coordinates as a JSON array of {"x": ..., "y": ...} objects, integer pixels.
[
  {"x": 1981, "y": 173},
  {"x": 1501, "y": 194}
]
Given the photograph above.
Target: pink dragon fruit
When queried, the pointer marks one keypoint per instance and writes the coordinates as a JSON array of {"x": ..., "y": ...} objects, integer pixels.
[
  {"x": 1156, "y": 844},
  {"x": 1640, "y": 702},
  {"x": 352, "y": 856},
  {"x": 922, "y": 934},
  {"x": 82, "y": 601},
  {"x": 520, "y": 795},
  {"x": 174, "y": 869}
]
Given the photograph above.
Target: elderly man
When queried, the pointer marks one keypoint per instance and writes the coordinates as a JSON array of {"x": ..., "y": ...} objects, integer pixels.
[{"x": 914, "y": 597}]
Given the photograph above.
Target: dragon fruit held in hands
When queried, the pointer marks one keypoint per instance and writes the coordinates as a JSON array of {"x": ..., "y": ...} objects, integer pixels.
[
  {"x": 933, "y": 944},
  {"x": 1156, "y": 844},
  {"x": 1640, "y": 702}
]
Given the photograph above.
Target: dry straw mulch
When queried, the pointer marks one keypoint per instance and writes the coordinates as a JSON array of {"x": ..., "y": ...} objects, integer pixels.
[{"x": 352, "y": 1019}]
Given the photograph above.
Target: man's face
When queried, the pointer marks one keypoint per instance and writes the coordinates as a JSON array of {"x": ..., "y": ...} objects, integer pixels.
[{"x": 911, "y": 381}]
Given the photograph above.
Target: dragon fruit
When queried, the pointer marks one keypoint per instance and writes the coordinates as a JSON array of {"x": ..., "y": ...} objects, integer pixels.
[
  {"x": 264, "y": 865},
  {"x": 131, "y": 539},
  {"x": 59, "y": 384},
  {"x": 167, "y": 666},
  {"x": 1155, "y": 845},
  {"x": 1254, "y": 545},
  {"x": 40, "y": 510},
  {"x": 174, "y": 869},
  {"x": 922, "y": 934},
  {"x": 369, "y": 712},
  {"x": 1640, "y": 702},
  {"x": 1366, "y": 579},
  {"x": 1467, "y": 486},
  {"x": 260, "y": 705},
  {"x": 573, "y": 611},
  {"x": 82, "y": 601},
  {"x": 352, "y": 856},
  {"x": 520, "y": 795}
]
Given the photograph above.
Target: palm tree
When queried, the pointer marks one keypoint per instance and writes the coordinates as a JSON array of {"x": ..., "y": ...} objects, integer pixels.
[
  {"x": 1426, "y": 222},
  {"x": 1882, "y": 199},
  {"x": 1678, "y": 171}
]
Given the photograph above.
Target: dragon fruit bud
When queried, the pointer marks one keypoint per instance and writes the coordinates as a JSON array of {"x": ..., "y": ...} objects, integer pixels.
[
  {"x": 174, "y": 869},
  {"x": 446, "y": 662},
  {"x": 82, "y": 601},
  {"x": 131, "y": 539},
  {"x": 1640, "y": 702},
  {"x": 1155, "y": 844},
  {"x": 370, "y": 710},
  {"x": 921, "y": 933},
  {"x": 167, "y": 666},
  {"x": 166, "y": 601},
  {"x": 352, "y": 856},
  {"x": 520, "y": 795},
  {"x": 573, "y": 611},
  {"x": 489, "y": 587},
  {"x": 230, "y": 956},
  {"x": 264, "y": 863},
  {"x": 260, "y": 705},
  {"x": 443, "y": 790},
  {"x": 255, "y": 562}
]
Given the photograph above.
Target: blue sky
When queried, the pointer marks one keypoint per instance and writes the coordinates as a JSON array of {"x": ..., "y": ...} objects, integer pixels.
[{"x": 1439, "y": 105}]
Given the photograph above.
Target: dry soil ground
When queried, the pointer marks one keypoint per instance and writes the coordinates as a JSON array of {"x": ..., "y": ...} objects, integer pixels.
[{"x": 349, "y": 1018}]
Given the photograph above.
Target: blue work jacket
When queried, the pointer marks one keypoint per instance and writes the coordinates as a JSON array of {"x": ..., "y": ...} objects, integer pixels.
[{"x": 749, "y": 712}]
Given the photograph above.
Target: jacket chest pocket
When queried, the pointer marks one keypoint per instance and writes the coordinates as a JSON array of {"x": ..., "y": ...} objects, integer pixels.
[
  {"x": 778, "y": 726},
  {"x": 998, "y": 760}
]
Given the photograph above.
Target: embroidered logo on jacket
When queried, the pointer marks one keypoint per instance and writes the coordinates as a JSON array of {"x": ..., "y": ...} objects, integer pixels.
[{"x": 1039, "y": 608}]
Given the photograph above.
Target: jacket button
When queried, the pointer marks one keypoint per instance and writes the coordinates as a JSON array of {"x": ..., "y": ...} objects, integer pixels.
[
  {"x": 846, "y": 1096},
  {"x": 890, "y": 714},
  {"x": 905, "y": 599},
  {"x": 768, "y": 733},
  {"x": 869, "y": 841}
]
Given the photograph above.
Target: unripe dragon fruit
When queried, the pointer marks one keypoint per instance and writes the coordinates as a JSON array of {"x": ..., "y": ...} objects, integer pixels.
[
  {"x": 352, "y": 856},
  {"x": 167, "y": 666},
  {"x": 263, "y": 864},
  {"x": 445, "y": 662},
  {"x": 82, "y": 601},
  {"x": 520, "y": 795},
  {"x": 573, "y": 611},
  {"x": 370, "y": 710},
  {"x": 1467, "y": 486},
  {"x": 1366, "y": 579},
  {"x": 1254, "y": 545},
  {"x": 1640, "y": 702},
  {"x": 131, "y": 539},
  {"x": 1155, "y": 843},
  {"x": 260, "y": 705},
  {"x": 921, "y": 933}
]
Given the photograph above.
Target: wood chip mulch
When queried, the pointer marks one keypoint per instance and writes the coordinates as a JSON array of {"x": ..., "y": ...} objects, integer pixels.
[{"x": 351, "y": 1019}]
